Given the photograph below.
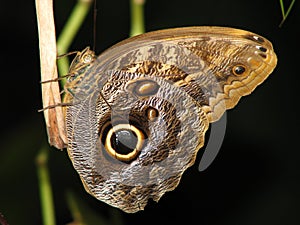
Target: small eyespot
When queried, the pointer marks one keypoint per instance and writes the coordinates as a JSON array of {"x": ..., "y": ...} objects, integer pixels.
[
  {"x": 263, "y": 55},
  {"x": 261, "y": 48},
  {"x": 151, "y": 114},
  {"x": 255, "y": 38},
  {"x": 259, "y": 39},
  {"x": 238, "y": 70}
]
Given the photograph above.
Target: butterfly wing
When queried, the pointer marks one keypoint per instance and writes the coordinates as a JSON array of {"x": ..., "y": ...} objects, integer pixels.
[{"x": 186, "y": 78}]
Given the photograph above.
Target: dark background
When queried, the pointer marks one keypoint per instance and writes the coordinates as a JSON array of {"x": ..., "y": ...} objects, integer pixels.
[{"x": 255, "y": 177}]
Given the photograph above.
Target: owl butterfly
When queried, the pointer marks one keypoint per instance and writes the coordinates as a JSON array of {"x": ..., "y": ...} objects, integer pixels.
[{"x": 140, "y": 110}]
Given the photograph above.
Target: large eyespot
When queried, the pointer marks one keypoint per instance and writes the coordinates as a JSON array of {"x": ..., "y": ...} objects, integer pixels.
[
  {"x": 239, "y": 70},
  {"x": 123, "y": 141}
]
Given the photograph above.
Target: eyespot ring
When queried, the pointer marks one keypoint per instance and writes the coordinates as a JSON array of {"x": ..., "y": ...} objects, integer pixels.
[
  {"x": 239, "y": 70},
  {"x": 133, "y": 153}
]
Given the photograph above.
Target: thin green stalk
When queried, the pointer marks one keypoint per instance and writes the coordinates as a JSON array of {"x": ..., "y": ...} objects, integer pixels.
[
  {"x": 137, "y": 17},
  {"x": 290, "y": 8},
  {"x": 75, "y": 209},
  {"x": 282, "y": 8},
  {"x": 46, "y": 196},
  {"x": 285, "y": 14},
  {"x": 69, "y": 32}
]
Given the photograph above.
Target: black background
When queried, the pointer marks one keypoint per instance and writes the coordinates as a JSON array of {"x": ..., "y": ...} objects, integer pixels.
[{"x": 255, "y": 177}]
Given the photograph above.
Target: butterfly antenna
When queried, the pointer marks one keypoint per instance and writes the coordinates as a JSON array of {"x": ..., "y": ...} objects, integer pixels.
[{"x": 67, "y": 54}]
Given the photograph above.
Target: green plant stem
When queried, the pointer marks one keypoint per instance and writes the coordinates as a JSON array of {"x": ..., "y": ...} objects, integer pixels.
[
  {"x": 46, "y": 196},
  {"x": 69, "y": 32},
  {"x": 137, "y": 17}
]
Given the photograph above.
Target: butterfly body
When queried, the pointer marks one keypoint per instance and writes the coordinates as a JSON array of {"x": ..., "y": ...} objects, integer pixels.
[{"x": 141, "y": 108}]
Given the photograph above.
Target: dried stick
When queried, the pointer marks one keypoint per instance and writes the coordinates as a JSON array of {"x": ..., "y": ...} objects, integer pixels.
[{"x": 50, "y": 91}]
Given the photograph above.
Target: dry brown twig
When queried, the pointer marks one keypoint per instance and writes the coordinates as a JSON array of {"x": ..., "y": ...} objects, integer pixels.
[{"x": 54, "y": 119}]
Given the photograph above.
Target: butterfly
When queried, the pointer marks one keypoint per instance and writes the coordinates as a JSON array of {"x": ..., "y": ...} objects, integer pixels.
[{"x": 137, "y": 114}]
